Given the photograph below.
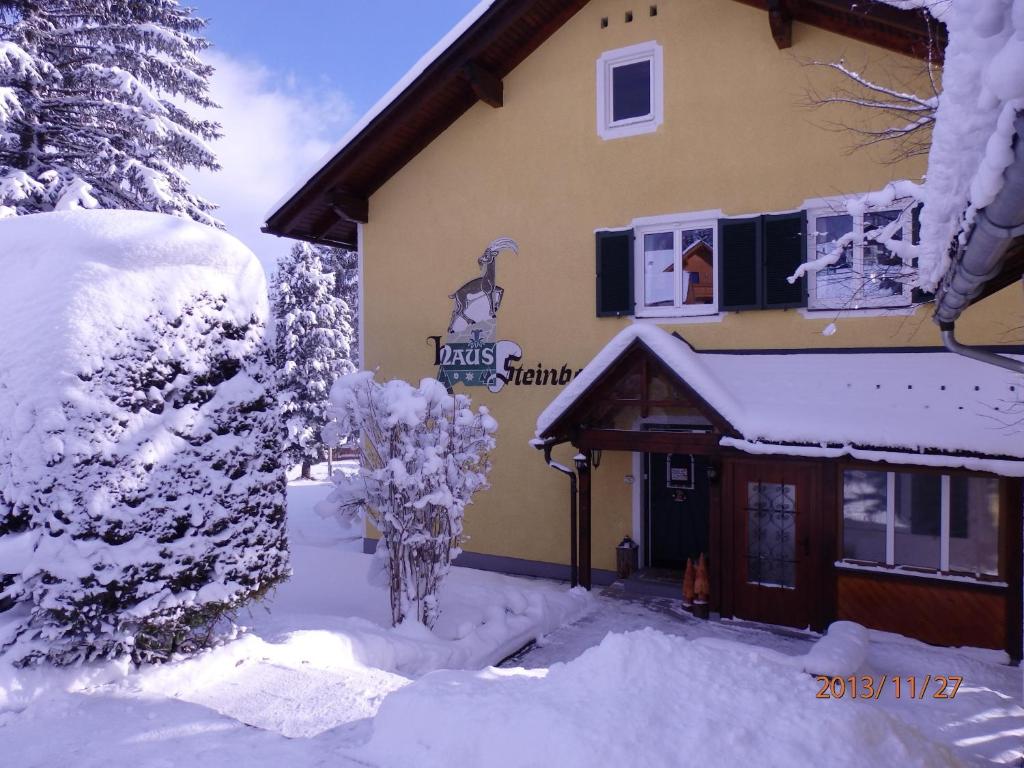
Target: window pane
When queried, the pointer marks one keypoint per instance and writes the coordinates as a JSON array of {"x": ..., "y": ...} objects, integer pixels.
[
  {"x": 771, "y": 534},
  {"x": 882, "y": 268},
  {"x": 974, "y": 525},
  {"x": 659, "y": 270},
  {"x": 864, "y": 510},
  {"x": 835, "y": 283},
  {"x": 698, "y": 260},
  {"x": 918, "y": 519},
  {"x": 631, "y": 90}
]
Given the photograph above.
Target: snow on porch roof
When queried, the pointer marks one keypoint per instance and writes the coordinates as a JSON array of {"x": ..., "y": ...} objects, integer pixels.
[{"x": 888, "y": 406}]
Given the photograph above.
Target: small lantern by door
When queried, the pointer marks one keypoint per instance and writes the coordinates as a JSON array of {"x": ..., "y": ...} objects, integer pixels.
[{"x": 626, "y": 557}]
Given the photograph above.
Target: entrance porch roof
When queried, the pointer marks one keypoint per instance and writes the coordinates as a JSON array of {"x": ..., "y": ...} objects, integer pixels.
[{"x": 906, "y": 407}]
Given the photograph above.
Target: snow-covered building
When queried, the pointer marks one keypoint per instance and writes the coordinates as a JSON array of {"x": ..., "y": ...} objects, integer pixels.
[{"x": 524, "y": 202}]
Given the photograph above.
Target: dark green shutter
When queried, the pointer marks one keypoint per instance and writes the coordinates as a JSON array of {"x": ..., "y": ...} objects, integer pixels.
[
  {"x": 615, "y": 273},
  {"x": 739, "y": 263},
  {"x": 785, "y": 249},
  {"x": 917, "y": 296}
]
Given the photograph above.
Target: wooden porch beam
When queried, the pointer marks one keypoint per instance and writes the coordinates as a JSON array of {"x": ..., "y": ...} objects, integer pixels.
[
  {"x": 486, "y": 86},
  {"x": 780, "y": 19},
  {"x": 652, "y": 442},
  {"x": 583, "y": 473}
]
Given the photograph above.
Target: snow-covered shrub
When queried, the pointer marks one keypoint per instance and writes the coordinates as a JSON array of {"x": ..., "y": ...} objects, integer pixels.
[
  {"x": 141, "y": 494},
  {"x": 424, "y": 453}
]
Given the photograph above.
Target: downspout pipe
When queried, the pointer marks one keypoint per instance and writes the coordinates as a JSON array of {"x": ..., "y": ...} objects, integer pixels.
[
  {"x": 981, "y": 355},
  {"x": 547, "y": 445},
  {"x": 980, "y": 259}
]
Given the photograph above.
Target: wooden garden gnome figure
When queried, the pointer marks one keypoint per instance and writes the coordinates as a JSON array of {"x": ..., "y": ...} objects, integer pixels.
[
  {"x": 688, "y": 583},
  {"x": 700, "y": 586}
]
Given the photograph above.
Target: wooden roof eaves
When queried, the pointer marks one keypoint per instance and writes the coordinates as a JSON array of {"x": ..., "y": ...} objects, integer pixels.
[
  {"x": 1010, "y": 272},
  {"x": 562, "y": 427},
  {"x": 449, "y": 66},
  {"x": 910, "y": 32},
  {"x": 471, "y": 46},
  {"x": 348, "y": 245}
]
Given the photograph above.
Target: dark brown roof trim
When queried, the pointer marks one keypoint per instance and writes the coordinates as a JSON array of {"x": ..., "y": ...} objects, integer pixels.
[
  {"x": 469, "y": 70},
  {"x": 913, "y": 33},
  {"x": 329, "y": 206}
]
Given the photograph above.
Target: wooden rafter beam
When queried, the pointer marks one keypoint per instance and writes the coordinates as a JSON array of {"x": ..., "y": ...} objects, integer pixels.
[
  {"x": 486, "y": 86},
  {"x": 910, "y": 32},
  {"x": 350, "y": 207},
  {"x": 780, "y": 19}
]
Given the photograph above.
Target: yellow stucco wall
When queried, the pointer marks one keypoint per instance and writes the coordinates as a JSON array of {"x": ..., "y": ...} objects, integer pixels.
[{"x": 734, "y": 138}]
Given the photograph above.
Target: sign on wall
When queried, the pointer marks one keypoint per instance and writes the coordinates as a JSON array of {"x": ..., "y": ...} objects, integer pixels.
[{"x": 471, "y": 352}]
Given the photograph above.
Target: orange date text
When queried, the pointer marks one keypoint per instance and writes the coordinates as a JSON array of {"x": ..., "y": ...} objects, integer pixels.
[{"x": 900, "y": 687}]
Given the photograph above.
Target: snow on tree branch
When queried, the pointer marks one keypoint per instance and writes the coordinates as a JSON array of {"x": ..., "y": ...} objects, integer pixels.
[
  {"x": 881, "y": 113},
  {"x": 982, "y": 92},
  {"x": 87, "y": 112}
]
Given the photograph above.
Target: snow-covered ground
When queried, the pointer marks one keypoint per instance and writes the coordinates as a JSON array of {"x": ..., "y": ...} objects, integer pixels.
[{"x": 321, "y": 680}]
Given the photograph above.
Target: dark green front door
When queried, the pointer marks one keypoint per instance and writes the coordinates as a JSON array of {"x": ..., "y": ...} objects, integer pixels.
[{"x": 677, "y": 509}]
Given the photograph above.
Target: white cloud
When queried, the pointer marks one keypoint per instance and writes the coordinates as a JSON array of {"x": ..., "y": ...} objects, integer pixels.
[{"x": 275, "y": 132}]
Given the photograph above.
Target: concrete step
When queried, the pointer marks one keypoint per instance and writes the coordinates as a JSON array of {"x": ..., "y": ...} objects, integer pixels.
[{"x": 655, "y": 583}]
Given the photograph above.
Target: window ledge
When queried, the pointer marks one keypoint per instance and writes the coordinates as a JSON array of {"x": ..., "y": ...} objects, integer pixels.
[
  {"x": 622, "y": 130},
  {"x": 711, "y": 317},
  {"x": 898, "y": 570},
  {"x": 846, "y": 314}
]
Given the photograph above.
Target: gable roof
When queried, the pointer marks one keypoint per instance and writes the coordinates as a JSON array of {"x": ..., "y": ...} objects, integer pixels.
[
  {"x": 928, "y": 408},
  {"x": 468, "y": 65}
]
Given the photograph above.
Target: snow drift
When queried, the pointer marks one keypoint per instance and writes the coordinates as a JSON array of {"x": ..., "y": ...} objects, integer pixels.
[
  {"x": 640, "y": 698},
  {"x": 141, "y": 497}
]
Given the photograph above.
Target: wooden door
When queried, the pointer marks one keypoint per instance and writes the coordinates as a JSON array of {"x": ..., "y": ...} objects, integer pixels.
[{"x": 772, "y": 529}]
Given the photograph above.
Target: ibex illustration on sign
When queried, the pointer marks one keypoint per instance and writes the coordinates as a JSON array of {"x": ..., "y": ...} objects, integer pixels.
[{"x": 485, "y": 284}]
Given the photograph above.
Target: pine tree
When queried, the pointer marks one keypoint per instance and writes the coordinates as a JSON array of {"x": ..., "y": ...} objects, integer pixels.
[
  {"x": 91, "y": 112},
  {"x": 314, "y": 340},
  {"x": 346, "y": 288}
]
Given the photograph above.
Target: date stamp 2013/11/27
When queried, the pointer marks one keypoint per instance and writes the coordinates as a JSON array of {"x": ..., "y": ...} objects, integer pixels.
[{"x": 901, "y": 687}]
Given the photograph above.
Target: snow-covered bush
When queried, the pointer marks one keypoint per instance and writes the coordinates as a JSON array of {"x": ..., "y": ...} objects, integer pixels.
[
  {"x": 424, "y": 453},
  {"x": 313, "y": 342},
  {"x": 141, "y": 495}
]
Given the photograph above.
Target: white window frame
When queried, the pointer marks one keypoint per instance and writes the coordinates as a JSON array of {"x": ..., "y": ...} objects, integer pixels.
[
  {"x": 675, "y": 224},
  {"x": 837, "y": 207},
  {"x": 944, "y": 534},
  {"x": 609, "y": 60}
]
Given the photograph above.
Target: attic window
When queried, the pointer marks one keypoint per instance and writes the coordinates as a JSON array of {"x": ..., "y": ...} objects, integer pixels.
[{"x": 629, "y": 91}]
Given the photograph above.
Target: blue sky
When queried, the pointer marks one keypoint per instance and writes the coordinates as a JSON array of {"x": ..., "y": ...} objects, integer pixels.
[
  {"x": 291, "y": 78},
  {"x": 360, "y": 47}
]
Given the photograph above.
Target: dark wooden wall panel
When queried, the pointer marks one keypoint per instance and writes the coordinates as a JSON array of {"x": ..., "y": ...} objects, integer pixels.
[{"x": 941, "y": 613}]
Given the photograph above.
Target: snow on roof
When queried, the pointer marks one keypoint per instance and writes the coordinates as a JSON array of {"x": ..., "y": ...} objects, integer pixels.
[
  {"x": 982, "y": 89},
  {"x": 70, "y": 275},
  {"x": 385, "y": 101},
  {"x": 829, "y": 404}
]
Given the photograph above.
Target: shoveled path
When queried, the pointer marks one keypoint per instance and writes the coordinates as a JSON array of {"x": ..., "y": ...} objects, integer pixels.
[
  {"x": 618, "y": 612},
  {"x": 984, "y": 723}
]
